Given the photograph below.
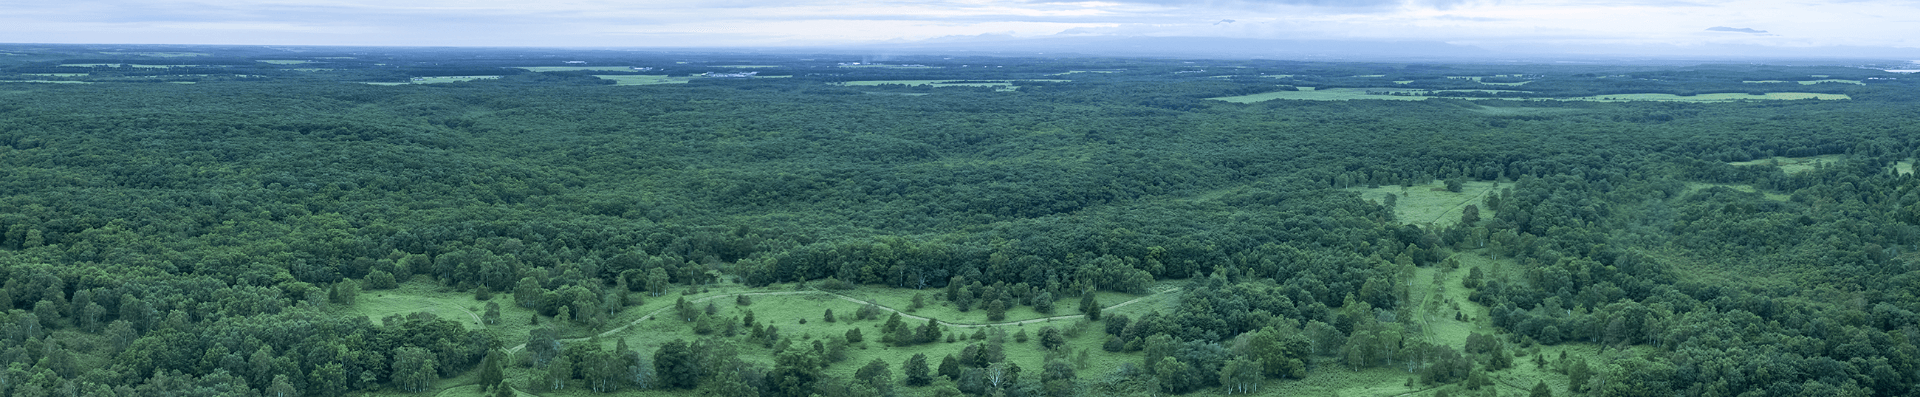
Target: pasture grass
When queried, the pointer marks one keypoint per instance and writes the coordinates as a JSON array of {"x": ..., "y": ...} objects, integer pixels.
[
  {"x": 1518, "y": 111},
  {"x": 57, "y": 74},
  {"x": 1430, "y": 204},
  {"x": 1719, "y": 97},
  {"x": 1904, "y": 167},
  {"x": 1330, "y": 94},
  {"x": 1083, "y": 71},
  {"x": 160, "y": 54},
  {"x": 1698, "y": 186},
  {"x": 637, "y": 79},
  {"x": 47, "y": 81},
  {"x": 284, "y": 61},
  {"x": 1794, "y": 165},
  {"x": 576, "y": 68}
]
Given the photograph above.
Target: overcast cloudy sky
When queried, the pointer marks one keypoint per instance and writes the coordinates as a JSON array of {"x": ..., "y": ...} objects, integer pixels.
[{"x": 651, "y": 23}]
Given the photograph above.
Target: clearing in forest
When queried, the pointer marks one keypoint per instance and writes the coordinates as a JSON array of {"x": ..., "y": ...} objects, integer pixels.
[
  {"x": 1430, "y": 204},
  {"x": 283, "y": 61},
  {"x": 576, "y": 68},
  {"x": 1795, "y": 165},
  {"x": 1719, "y": 97},
  {"x": 643, "y": 79}
]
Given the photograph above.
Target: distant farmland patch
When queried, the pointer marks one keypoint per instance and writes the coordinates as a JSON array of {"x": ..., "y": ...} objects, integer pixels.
[
  {"x": 441, "y": 79},
  {"x": 1721, "y": 97},
  {"x": 1805, "y": 82},
  {"x": 746, "y": 66},
  {"x": 284, "y": 61},
  {"x": 577, "y": 68},
  {"x": 1004, "y": 85},
  {"x": 1795, "y": 165},
  {"x": 160, "y": 54},
  {"x": 640, "y": 79}
]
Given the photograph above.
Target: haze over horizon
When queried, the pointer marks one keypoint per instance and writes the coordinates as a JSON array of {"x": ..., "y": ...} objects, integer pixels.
[{"x": 1620, "y": 27}]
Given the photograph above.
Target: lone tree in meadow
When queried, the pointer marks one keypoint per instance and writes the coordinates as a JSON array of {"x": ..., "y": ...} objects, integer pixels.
[{"x": 1090, "y": 306}]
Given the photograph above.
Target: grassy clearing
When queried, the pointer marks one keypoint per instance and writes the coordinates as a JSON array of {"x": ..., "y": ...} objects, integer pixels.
[
  {"x": 47, "y": 81},
  {"x": 1330, "y": 94},
  {"x": 310, "y": 70},
  {"x": 1720, "y": 97},
  {"x": 746, "y": 66},
  {"x": 1430, "y": 204},
  {"x": 1795, "y": 165},
  {"x": 891, "y": 66},
  {"x": 160, "y": 54},
  {"x": 1083, "y": 71},
  {"x": 576, "y": 68},
  {"x": 1403, "y": 81},
  {"x": 1698, "y": 186},
  {"x": 1904, "y": 167},
  {"x": 634, "y": 79},
  {"x": 1805, "y": 82},
  {"x": 1519, "y": 111},
  {"x": 57, "y": 74},
  {"x": 284, "y": 61}
]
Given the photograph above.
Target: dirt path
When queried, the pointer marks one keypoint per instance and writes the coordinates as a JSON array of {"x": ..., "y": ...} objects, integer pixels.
[{"x": 649, "y": 315}]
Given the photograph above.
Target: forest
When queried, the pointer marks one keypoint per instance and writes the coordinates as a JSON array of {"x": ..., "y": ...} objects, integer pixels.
[{"x": 249, "y": 221}]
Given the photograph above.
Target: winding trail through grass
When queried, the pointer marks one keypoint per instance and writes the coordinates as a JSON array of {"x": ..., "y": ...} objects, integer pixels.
[{"x": 655, "y": 312}]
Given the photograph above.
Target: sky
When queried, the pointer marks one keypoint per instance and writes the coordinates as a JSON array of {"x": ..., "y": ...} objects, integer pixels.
[{"x": 1493, "y": 24}]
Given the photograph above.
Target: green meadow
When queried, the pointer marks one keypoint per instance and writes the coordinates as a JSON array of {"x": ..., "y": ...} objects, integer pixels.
[{"x": 643, "y": 79}]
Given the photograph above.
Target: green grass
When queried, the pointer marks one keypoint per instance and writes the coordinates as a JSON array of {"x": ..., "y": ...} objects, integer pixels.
[
  {"x": 1805, "y": 82},
  {"x": 1904, "y": 167},
  {"x": 1431, "y": 204},
  {"x": 1403, "y": 81},
  {"x": 1000, "y": 85},
  {"x": 440, "y": 79},
  {"x": 1082, "y": 71},
  {"x": 1720, "y": 97},
  {"x": 160, "y": 54},
  {"x": 637, "y": 79},
  {"x": 309, "y": 70},
  {"x": 1698, "y": 186},
  {"x": 284, "y": 61},
  {"x": 1795, "y": 165},
  {"x": 1519, "y": 111},
  {"x": 56, "y": 74},
  {"x": 115, "y": 65},
  {"x": 47, "y": 81},
  {"x": 1507, "y": 84},
  {"x": 577, "y": 68},
  {"x": 889, "y": 67},
  {"x": 1330, "y": 94},
  {"x": 746, "y": 66}
]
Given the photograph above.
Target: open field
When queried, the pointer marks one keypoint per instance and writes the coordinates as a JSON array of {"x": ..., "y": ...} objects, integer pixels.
[
  {"x": 1720, "y": 97},
  {"x": 1330, "y": 94},
  {"x": 746, "y": 66},
  {"x": 1794, "y": 165},
  {"x": 891, "y": 66},
  {"x": 441, "y": 79},
  {"x": 115, "y": 65},
  {"x": 1083, "y": 71},
  {"x": 1431, "y": 204},
  {"x": 576, "y": 68},
  {"x": 160, "y": 54},
  {"x": 47, "y": 81},
  {"x": 999, "y": 85},
  {"x": 643, "y": 79},
  {"x": 1805, "y": 82},
  {"x": 57, "y": 74},
  {"x": 1904, "y": 167},
  {"x": 284, "y": 61},
  {"x": 1698, "y": 186}
]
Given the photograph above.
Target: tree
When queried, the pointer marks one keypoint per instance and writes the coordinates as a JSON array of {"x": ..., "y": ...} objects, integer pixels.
[
  {"x": 1051, "y": 339},
  {"x": 1578, "y": 374},
  {"x": 492, "y": 316},
  {"x": 330, "y": 379},
  {"x": 557, "y": 374},
  {"x": 876, "y": 375},
  {"x": 996, "y": 310},
  {"x": 1469, "y": 215},
  {"x": 1090, "y": 306},
  {"x": 915, "y": 370},
  {"x": 281, "y": 388},
  {"x": 413, "y": 369},
  {"x": 950, "y": 367},
  {"x": 1541, "y": 390},
  {"x": 491, "y": 372},
  {"x": 853, "y": 335},
  {"x": 1240, "y": 376},
  {"x": 1043, "y": 303},
  {"x": 829, "y": 316},
  {"x": 675, "y": 366}
]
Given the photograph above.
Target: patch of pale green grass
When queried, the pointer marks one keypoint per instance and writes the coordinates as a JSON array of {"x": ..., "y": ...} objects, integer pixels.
[
  {"x": 577, "y": 68},
  {"x": 1794, "y": 165},
  {"x": 636, "y": 79},
  {"x": 284, "y": 61},
  {"x": 1719, "y": 97},
  {"x": 1430, "y": 204}
]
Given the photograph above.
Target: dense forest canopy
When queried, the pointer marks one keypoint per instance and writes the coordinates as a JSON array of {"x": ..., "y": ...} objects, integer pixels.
[{"x": 214, "y": 238}]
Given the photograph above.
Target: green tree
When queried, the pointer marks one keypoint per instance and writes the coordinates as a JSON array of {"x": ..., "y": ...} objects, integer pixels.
[
  {"x": 674, "y": 365},
  {"x": 491, "y": 372},
  {"x": 916, "y": 371},
  {"x": 281, "y": 388},
  {"x": 1240, "y": 376},
  {"x": 1051, "y": 339},
  {"x": 876, "y": 375},
  {"x": 1090, "y": 306},
  {"x": 1578, "y": 374},
  {"x": 413, "y": 369},
  {"x": 1541, "y": 390}
]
